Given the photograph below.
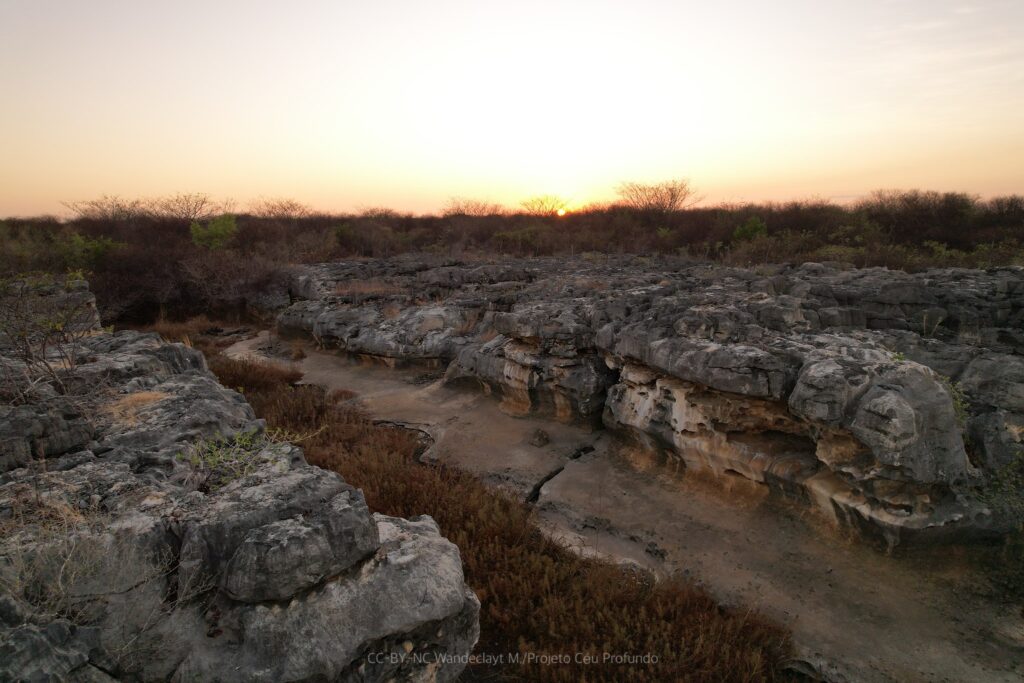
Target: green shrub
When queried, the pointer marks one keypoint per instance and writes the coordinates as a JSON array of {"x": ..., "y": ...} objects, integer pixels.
[
  {"x": 752, "y": 228},
  {"x": 216, "y": 463},
  {"x": 216, "y": 234},
  {"x": 960, "y": 403},
  {"x": 81, "y": 252}
]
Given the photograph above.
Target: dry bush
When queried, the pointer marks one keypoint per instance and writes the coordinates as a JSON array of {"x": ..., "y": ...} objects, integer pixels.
[
  {"x": 366, "y": 288},
  {"x": 181, "y": 330},
  {"x": 188, "y": 206},
  {"x": 57, "y": 561},
  {"x": 461, "y": 206},
  {"x": 252, "y": 375},
  {"x": 339, "y": 395},
  {"x": 43, "y": 319},
  {"x": 197, "y": 332},
  {"x": 227, "y": 278},
  {"x": 543, "y": 205},
  {"x": 536, "y": 595},
  {"x": 125, "y": 410},
  {"x": 666, "y": 196},
  {"x": 215, "y": 463},
  {"x": 279, "y": 207}
]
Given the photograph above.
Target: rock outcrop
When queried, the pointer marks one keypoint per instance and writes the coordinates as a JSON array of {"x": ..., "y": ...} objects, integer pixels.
[
  {"x": 883, "y": 399},
  {"x": 152, "y": 531}
]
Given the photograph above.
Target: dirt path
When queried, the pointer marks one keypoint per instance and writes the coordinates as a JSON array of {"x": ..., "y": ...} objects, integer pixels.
[{"x": 855, "y": 613}]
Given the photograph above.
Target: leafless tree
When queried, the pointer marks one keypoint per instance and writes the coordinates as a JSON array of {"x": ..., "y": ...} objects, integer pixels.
[
  {"x": 663, "y": 197},
  {"x": 378, "y": 213},
  {"x": 279, "y": 207},
  {"x": 193, "y": 206},
  {"x": 543, "y": 205},
  {"x": 42, "y": 322},
  {"x": 109, "y": 207},
  {"x": 461, "y": 206}
]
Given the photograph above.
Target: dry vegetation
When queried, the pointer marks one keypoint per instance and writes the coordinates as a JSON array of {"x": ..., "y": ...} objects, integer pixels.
[
  {"x": 535, "y": 594},
  {"x": 125, "y": 410},
  {"x": 366, "y": 288},
  {"x": 144, "y": 257}
]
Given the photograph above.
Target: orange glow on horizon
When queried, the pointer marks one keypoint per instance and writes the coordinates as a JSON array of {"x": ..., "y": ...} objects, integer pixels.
[{"x": 347, "y": 105}]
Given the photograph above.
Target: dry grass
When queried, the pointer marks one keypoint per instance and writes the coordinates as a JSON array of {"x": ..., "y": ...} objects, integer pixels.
[
  {"x": 391, "y": 311},
  {"x": 194, "y": 332},
  {"x": 125, "y": 410},
  {"x": 536, "y": 595},
  {"x": 366, "y": 288},
  {"x": 251, "y": 376}
]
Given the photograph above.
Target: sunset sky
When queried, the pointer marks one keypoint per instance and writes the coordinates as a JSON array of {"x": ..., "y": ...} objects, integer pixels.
[{"x": 403, "y": 104}]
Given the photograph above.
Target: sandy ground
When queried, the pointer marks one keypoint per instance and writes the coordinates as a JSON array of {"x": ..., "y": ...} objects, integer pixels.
[{"x": 855, "y": 613}]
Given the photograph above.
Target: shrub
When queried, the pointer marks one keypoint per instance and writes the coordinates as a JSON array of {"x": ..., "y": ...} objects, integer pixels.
[
  {"x": 753, "y": 228},
  {"x": 216, "y": 234},
  {"x": 961, "y": 404},
  {"x": 86, "y": 253},
  {"x": 42, "y": 320},
  {"x": 215, "y": 463}
]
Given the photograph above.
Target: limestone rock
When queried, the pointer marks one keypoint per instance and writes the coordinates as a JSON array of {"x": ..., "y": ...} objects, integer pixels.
[
  {"x": 277, "y": 572},
  {"x": 883, "y": 398}
]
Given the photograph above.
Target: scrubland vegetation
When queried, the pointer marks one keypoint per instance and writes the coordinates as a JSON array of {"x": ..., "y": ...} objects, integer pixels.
[
  {"x": 186, "y": 253},
  {"x": 536, "y": 595}
]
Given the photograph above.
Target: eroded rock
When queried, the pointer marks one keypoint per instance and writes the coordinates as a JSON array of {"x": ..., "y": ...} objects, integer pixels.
[
  {"x": 882, "y": 398},
  {"x": 276, "y": 572}
]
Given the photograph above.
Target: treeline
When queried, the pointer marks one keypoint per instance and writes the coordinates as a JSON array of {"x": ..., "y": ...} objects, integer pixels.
[{"x": 190, "y": 253}]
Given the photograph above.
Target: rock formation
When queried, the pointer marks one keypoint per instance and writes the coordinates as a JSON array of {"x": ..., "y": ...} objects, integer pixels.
[
  {"x": 152, "y": 531},
  {"x": 881, "y": 398}
]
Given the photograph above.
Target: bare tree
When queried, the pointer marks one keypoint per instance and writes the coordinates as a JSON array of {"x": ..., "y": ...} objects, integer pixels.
[
  {"x": 663, "y": 197},
  {"x": 42, "y": 321},
  {"x": 279, "y": 207},
  {"x": 543, "y": 205},
  {"x": 109, "y": 207},
  {"x": 460, "y": 206},
  {"x": 191, "y": 206}
]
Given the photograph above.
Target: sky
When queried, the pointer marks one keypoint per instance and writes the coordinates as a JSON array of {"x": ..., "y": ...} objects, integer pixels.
[{"x": 401, "y": 103}]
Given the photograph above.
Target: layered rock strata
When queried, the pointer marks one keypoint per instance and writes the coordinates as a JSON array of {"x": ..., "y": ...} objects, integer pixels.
[{"x": 884, "y": 399}]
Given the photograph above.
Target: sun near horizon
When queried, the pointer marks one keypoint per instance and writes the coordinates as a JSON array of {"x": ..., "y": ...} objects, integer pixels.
[{"x": 344, "y": 105}]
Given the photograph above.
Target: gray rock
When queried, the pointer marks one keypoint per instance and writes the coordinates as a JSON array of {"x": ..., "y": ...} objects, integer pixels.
[
  {"x": 273, "y": 571},
  {"x": 851, "y": 378}
]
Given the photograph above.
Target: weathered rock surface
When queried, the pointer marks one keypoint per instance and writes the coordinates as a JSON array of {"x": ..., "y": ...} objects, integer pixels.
[
  {"x": 882, "y": 398},
  {"x": 118, "y": 561}
]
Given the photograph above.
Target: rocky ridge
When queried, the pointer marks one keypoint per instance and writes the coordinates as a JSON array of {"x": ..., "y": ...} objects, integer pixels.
[
  {"x": 152, "y": 531},
  {"x": 885, "y": 400}
]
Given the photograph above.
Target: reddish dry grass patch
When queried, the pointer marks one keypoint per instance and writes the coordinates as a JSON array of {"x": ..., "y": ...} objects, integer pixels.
[
  {"x": 366, "y": 288},
  {"x": 198, "y": 332},
  {"x": 536, "y": 595}
]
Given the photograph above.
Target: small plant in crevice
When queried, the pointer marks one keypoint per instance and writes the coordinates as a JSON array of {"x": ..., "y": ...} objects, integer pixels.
[
  {"x": 215, "y": 463},
  {"x": 961, "y": 404}
]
